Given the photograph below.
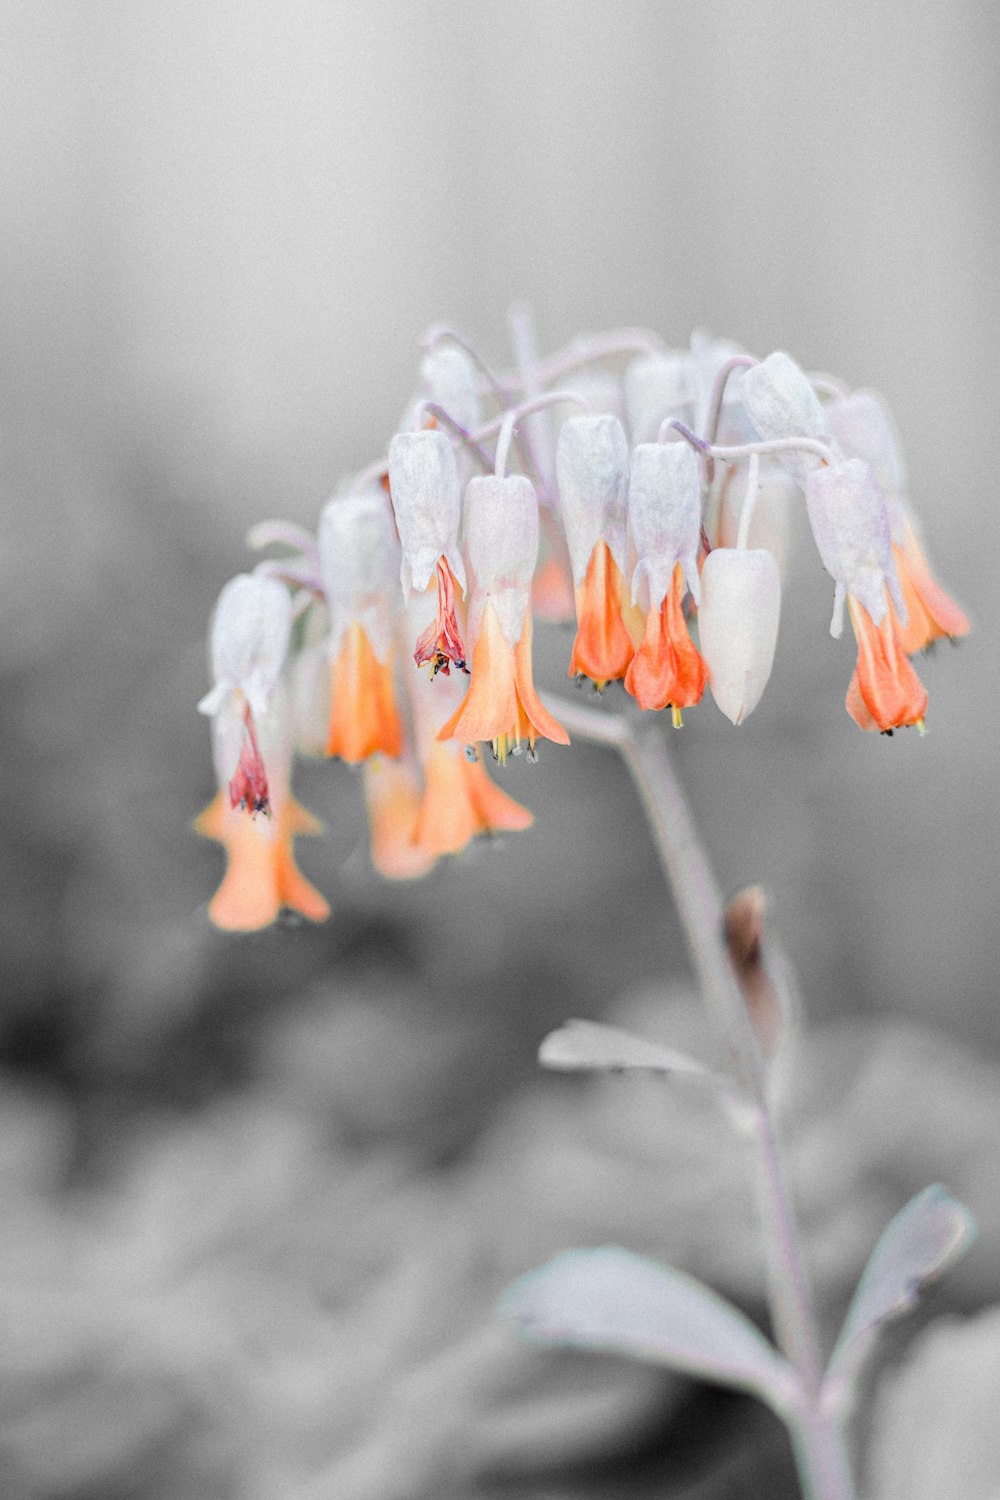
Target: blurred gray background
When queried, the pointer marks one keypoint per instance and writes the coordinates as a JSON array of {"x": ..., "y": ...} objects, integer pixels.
[{"x": 226, "y": 227}]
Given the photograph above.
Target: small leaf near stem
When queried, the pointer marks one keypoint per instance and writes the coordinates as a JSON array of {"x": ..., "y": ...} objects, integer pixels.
[
  {"x": 613, "y": 1301},
  {"x": 589, "y": 1046},
  {"x": 924, "y": 1238}
]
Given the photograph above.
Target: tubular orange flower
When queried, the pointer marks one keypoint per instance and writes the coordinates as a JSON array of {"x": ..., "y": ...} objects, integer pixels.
[
  {"x": 668, "y": 667},
  {"x": 426, "y": 500},
  {"x": 665, "y": 520},
  {"x": 363, "y": 713},
  {"x": 603, "y": 647},
  {"x": 360, "y": 561},
  {"x": 885, "y": 692},
  {"x": 502, "y": 705},
  {"x": 592, "y": 470},
  {"x": 261, "y": 875},
  {"x": 460, "y": 802}
]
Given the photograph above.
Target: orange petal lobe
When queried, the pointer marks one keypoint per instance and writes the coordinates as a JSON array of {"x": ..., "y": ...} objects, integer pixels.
[
  {"x": 460, "y": 802},
  {"x": 363, "y": 713},
  {"x": 668, "y": 667},
  {"x": 884, "y": 681},
  {"x": 930, "y": 612},
  {"x": 392, "y": 794},
  {"x": 603, "y": 647},
  {"x": 489, "y": 708},
  {"x": 261, "y": 875}
]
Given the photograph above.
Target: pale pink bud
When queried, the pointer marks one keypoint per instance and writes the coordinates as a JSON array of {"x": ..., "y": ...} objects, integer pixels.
[
  {"x": 657, "y": 386},
  {"x": 359, "y": 563},
  {"x": 427, "y": 500},
  {"x": 738, "y": 625},
  {"x": 501, "y": 543},
  {"x": 851, "y": 526},
  {"x": 664, "y": 518},
  {"x": 251, "y": 630},
  {"x": 781, "y": 403},
  {"x": 592, "y": 476}
]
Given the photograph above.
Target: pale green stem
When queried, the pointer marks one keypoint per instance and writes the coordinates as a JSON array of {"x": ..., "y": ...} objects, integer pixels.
[{"x": 817, "y": 1438}]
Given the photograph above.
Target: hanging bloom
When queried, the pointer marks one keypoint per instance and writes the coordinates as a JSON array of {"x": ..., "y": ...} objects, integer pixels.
[
  {"x": 427, "y": 501},
  {"x": 738, "y": 625},
  {"x": 863, "y": 428},
  {"x": 251, "y": 630},
  {"x": 360, "y": 564},
  {"x": 592, "y": 473},
  {"x": 501, "y": 705},
  {"x": 392, "y": 796},
  {"x": 458, "y": 801},
  {"x": 261, "y": 876},
  {"x": 851, "y": 526},
  {"x": 781, "y": 403},
  {"x": 665, "y": 524}
]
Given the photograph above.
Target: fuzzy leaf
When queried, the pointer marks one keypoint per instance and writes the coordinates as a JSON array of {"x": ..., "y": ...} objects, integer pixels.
[
  {"x": 918, "y": 1244},
  {"x": 584, "y": 1046},
  {"x": 614, "y": 1302}
]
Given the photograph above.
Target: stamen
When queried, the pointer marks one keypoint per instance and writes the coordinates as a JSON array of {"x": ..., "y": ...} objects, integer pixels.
[
  {"x": 248, "y": 787},
  {"x": 441, "y": 643}
]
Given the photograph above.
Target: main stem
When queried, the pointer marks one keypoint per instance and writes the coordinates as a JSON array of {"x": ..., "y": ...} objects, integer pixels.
[{"x": 817, "y": 1439}]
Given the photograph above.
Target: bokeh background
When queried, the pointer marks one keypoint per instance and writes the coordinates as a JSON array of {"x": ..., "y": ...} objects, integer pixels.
[{"x": 226, "y": 228}]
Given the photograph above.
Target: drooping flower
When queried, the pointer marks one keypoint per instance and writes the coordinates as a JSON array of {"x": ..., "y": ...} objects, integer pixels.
[
  {"x": 261, "y": 876},
  {"x": 863, "y": 428},
  {"x": 665, "y": 524},
  {"x": 592, "y": 474},
  {"x": 458, "y": 801},
  {"x": 501, "y": 705},
  {"x": 427, "y": 502},
  {"x": 738, "y": 625},
  {"x": 850, "y": 523},
  {"x": 360, "y": 565},
  {"x": 251, "y": 630}
]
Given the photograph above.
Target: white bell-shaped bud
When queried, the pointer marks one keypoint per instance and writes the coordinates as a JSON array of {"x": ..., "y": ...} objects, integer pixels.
[
  {"x": 251, "y": 630},
  {"x": 657, "y": 386},
  {"x": 782, "y": 404},
  {"x": 427, "y": 501},
  {"x": 850, "y": 523},
  {"x": 862, "y": 428},
  {"x": 664, "y": 519},
  {"x": 738, "y": 625},
  {"x": 359, "y": 558},
  {"x": 501, "y": 542},
  {"x": 592, "y": 478},
  {"x": 448, "y": 377}
]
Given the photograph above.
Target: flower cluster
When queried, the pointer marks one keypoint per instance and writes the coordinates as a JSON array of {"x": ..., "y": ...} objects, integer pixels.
[{"x": 650, "y": 508}]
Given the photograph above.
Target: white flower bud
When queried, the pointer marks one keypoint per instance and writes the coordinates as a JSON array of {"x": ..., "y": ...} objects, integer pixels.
[
  {"x": 592, "y": 477},
  {"x": 251, "y": 630},
  {"x": 664, "y": 518},
  {"x": 427, "y": 500},
  {"x": 851, "y": 526},
  {"x": 448, "y": 377},
  {"x": 738, "y": 625},
  {"x": 501, "y": 538},
  {"x": 657, "y": 386},
  {"x": 360, "y": 564},
  {"x": 781, "y": 403},
  {"x": 863, "y": 429}
]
